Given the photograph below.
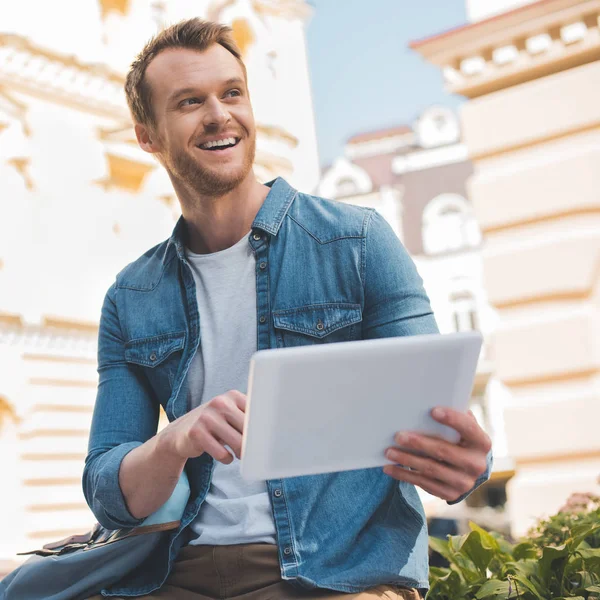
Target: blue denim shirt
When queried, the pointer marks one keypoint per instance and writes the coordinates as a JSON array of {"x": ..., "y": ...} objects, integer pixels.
[{"x": 316, "y": 261}]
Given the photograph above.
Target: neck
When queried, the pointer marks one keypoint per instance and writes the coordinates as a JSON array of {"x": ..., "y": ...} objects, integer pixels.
[{"x": 214, "y": 223}]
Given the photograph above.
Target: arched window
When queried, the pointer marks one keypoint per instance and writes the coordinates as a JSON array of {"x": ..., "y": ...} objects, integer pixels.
[{"x": 449, "y": 224}]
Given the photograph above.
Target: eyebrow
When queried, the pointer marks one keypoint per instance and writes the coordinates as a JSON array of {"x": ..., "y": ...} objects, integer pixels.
[{"x": 190, "y": 90}]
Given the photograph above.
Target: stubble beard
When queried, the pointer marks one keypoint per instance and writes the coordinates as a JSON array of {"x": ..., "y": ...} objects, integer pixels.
[{"x": 212, "y": 182}]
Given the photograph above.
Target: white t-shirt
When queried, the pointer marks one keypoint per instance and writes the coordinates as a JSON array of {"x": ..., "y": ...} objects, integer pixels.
[{"x": 234, "y": 511}]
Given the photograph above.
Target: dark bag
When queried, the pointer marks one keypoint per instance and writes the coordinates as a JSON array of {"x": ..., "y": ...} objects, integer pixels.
[{"x": 81, "y": 566}]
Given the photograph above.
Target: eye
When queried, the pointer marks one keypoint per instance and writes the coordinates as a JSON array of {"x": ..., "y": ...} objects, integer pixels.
[
  {"x": 189, "y": 101},
  {"x": 233, "y": 93}
]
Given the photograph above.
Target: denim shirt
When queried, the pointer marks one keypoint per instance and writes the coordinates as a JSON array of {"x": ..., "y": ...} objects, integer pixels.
[{"x": 317, "y": 262}]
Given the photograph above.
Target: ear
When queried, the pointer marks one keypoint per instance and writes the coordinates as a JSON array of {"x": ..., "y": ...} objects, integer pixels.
[{"x": 147, "y": 139}]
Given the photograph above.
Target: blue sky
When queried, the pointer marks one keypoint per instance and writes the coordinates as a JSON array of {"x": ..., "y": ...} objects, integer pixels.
[{"x": 364, "y": 76}]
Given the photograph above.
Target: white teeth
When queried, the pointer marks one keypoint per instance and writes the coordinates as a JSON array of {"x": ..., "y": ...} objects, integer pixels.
[{"x": 226, "y": 142}]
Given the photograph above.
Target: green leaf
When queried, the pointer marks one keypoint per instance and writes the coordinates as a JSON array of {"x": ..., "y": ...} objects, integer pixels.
[
  {"x": 492, "y": 588},
  {"x": 525, "y": 550},
  {"x": 455, "y": 542},
  {"x": 504, "y": 546},
  {"x": 487, "y": 539},
  {"x": 523, "y": 582},
  {"x": 466, "y": 568},
  {"x": 441, "y": 547},
  {"x": 550, "y": 555},
  {"x": 479, "y": 549},
  {"x": 580, "y": 532}
]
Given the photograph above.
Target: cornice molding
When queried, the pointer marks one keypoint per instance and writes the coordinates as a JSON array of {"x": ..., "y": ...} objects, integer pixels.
[
  {"x": 529, "y": 42},
  {"x": 54, "y": 336},
  {"x": 289, "y": 9},
  {"x": 277, "y": 133},
  {"x": 39, "y": 72}
]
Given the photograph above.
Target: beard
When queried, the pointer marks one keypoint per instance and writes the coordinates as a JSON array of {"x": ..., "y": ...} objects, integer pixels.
[{"x": 212, "y": 181}]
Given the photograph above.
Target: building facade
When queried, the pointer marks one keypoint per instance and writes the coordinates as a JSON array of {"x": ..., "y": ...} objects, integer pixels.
[
  {"x": 416, "y": 177},
  {"x": 531, "y": 74},
  {"x": 79, "y": 200}
]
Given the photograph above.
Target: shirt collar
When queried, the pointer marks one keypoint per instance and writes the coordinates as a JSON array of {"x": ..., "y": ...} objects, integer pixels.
[
  {"x": 275, "y": 207},
  {"x": 269, "y": 217}
]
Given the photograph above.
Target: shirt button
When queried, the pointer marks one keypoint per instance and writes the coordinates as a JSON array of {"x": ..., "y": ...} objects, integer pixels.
[
  {"x": 277, "y": 493},
  {"x": 153, "y": 356},
  {"x": 263, "y": 319},
  {"x": 257, "y": 237},
  {"x": 320, "y": 326},
  {"x": 287, "y": 550},
  {"x": 263, "y": 265}
]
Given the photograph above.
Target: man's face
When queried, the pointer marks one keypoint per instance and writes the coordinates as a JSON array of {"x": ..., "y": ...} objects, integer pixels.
[{"x": 204, "y": 121}]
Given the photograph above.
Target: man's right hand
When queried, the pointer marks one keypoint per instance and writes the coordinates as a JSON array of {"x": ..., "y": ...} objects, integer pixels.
[{"x": 208, "y": 428}]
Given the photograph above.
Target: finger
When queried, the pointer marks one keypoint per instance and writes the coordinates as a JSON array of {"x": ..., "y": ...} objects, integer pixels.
[
  {"x": 239, "y": 399},
  {"x": 225, "y": 407},
  {"x": 235, "y": 418},
  {"x": 467, "y": 426},
  {"x": 471, "y": 461},
  {"x": 223, "y": 431},
  {"x": 433, "y": 487},
  {"x": 432, "y": 469},
  {"x": 216, "y": 449}
]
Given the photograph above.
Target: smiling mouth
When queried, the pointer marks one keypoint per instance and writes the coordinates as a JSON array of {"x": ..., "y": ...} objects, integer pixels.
[{"x": 220, "y": 144}]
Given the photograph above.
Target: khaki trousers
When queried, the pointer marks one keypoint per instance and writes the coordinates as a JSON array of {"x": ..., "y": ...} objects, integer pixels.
[{"x": 247, "y": 572}]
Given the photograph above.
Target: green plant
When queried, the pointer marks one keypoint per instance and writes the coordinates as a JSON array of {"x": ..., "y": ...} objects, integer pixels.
[
  {"x": 580, "y": 509},
  {"x": 485, "y": 566}
]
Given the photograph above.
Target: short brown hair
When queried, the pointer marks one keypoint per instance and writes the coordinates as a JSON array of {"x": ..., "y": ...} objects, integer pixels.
[{"x": 192, "y": 34}]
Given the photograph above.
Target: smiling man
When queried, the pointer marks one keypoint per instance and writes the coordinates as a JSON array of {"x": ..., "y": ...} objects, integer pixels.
[{"x": 180, "y": 324}]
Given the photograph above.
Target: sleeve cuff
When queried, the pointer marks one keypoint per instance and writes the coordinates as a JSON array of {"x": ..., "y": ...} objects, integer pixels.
[
  {"x": 481, "y": 479},
  {"x": 106, "y": 500}
]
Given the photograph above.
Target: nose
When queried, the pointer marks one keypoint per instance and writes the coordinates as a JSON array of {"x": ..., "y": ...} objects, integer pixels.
[{"x": 216, "y": 114}]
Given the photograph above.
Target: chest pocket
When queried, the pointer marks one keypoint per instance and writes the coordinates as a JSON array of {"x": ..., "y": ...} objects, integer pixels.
[
  {"x": 158, "y": 357},
  {"x": 317, "y": 324}
]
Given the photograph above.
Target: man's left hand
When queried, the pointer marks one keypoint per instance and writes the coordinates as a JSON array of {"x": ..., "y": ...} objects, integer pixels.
[{"x": 445, "y": 470}]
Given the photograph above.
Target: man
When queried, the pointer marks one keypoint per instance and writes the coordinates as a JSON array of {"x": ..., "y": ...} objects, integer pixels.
[{"x": 248, "y": 267}]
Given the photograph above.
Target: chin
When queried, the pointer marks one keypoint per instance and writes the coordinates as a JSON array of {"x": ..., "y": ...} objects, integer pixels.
[{"x": 218, "y": 181}]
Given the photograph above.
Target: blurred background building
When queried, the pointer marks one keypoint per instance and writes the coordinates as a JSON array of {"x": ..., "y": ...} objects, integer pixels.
[
  {"x": 416, "y": 176},
  {"x": 499, "y": 209},
  {"x": 531, "y": 73},
  {"x": 79, "y": 200}
]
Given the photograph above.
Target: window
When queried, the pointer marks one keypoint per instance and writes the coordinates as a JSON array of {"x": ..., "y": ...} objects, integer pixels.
[
  {"x": 464, "y": 311},
  {"x": 449, "y": 224}
]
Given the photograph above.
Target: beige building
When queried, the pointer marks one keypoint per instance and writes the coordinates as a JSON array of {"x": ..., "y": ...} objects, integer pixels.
[
  {"x": 531, "y": 73},
  {"x": 416, "y": 176},
  {"x": 79, "y": 200}
]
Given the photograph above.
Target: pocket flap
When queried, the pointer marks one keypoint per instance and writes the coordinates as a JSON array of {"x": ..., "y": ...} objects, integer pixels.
[
  {"x": 317, "y": 320},
  {"x": 150, "y": 352}
]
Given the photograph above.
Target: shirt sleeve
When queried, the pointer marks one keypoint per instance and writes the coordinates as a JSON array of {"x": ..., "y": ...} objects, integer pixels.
[
  {"x": 396, "y": 303},
  {"x": 125, "y": 416}
]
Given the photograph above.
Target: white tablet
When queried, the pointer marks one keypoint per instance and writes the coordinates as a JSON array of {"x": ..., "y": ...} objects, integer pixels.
[{"x": 335, "y": 407}]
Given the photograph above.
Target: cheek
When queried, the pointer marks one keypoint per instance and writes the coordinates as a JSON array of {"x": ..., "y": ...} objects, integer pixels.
[
  {"x": 246, "y": 119},
  {"x": 182, "y": 129}
]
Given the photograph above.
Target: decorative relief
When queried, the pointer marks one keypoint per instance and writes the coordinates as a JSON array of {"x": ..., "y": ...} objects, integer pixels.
[
  {"x": 120, "y": 7},
  {"x": 7, "y": 412},
  {"x": 521, "y": 50},
  {"x": 243, "y": 35},
  {"x": 21, "y": 165},
  {"x": 13, "y": 108},
  {"x": 54, "y": 337},
  {"x": 61, "y": 78},
  {"x": 124, "y": 174}
]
